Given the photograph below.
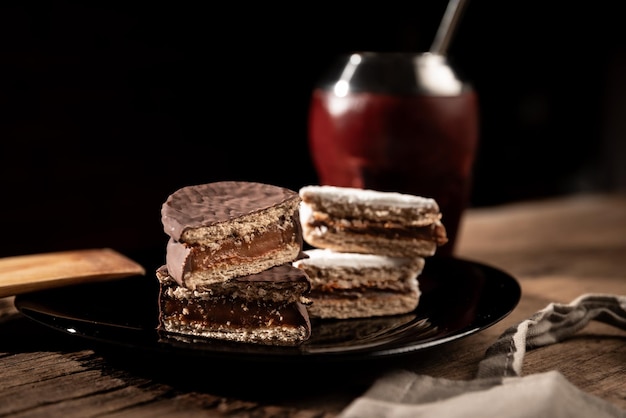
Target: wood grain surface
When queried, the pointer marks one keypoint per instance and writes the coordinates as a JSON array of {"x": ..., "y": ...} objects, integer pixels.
[
  {"x": 557, "y": 248},
  {"x": 31, "y": 272}
]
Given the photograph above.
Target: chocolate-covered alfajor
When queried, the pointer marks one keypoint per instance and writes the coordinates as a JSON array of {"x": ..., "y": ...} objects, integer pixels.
[
  {"x": 229, "y": 229},
  {"x": 264, "y": 308}
]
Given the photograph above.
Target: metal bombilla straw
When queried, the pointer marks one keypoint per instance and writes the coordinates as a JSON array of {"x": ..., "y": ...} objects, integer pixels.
[{"x": 446, "y": 27}]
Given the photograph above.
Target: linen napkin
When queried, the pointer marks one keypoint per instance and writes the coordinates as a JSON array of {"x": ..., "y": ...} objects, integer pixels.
[{"x": 499, "y": 389}]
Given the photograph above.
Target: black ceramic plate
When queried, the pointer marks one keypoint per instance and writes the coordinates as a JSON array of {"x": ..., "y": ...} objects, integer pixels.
[{"x": 459, "y": 298}]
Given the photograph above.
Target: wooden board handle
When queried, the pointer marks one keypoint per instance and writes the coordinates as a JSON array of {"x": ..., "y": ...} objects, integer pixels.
[{"x": 27, "y": 273}]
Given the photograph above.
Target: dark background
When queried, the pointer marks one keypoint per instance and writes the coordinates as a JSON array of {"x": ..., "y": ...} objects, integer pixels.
[{"x": 106, "y": 109}]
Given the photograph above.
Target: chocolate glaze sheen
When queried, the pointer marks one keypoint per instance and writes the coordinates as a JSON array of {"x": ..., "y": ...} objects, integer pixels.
[
  {"x": 211, "y": 203},
  {"x": 283, "y": 273}
]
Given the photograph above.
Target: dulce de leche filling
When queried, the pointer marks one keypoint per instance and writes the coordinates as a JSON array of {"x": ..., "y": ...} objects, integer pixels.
[
  {"x": 284, "y": 238},
  {"x": 234, "y": 313},
  {"x": 241, "y": 250},
  {"x": 434, "y": 232}
]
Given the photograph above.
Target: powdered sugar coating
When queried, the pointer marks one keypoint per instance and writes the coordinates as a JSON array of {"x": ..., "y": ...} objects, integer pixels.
[
  {"x": 349, "y": 195},
  {"x": 324, "y": 258}
]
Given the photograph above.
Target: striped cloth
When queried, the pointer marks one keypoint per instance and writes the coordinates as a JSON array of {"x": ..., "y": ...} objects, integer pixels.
[{"x": 499, "y": 388}]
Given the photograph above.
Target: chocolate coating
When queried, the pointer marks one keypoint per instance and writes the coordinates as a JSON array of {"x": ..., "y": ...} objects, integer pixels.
[
  {"x": 212, "y": 203},
  {"x": 285, "y": 273}
]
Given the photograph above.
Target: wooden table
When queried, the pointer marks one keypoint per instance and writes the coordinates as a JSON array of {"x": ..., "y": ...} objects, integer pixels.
[{"x": 557, "y": 248}]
